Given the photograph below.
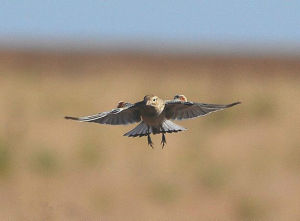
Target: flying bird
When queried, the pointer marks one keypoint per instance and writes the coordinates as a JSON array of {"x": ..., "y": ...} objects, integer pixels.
[{"x": 154, "y": 115}]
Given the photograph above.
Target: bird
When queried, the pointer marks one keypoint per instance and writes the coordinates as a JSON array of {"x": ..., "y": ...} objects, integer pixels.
[
  {"x": 180, "y": 97},
  {"x": 154, "y": 115},
  {"x": 122, "y": 104}
]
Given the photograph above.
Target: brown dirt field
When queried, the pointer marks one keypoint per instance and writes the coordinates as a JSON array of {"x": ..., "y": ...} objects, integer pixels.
[{"x": 239, "y": 164}]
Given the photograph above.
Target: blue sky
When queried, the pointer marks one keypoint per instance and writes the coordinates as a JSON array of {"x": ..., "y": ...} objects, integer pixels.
[{"x": 258, "y": 21}]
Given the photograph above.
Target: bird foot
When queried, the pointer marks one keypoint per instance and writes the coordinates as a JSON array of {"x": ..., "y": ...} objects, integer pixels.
[
  {"x": 150, "y": 143},
  {"x": 163, "y": 140}
]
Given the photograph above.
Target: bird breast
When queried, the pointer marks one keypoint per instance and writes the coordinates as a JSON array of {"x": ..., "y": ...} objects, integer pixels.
[{"x": 152, "y": 115}]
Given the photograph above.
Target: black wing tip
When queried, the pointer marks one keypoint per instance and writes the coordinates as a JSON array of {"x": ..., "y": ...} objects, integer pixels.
[
  {"x": 71, "y": 118},
  {"x": 233, "y": 104}
]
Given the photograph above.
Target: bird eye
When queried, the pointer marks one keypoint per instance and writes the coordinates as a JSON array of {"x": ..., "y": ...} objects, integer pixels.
[{"x": 154, "y": 99}]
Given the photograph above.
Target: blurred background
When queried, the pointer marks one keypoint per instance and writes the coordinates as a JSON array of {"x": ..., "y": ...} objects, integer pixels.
[{"x": 79, "y": 58}]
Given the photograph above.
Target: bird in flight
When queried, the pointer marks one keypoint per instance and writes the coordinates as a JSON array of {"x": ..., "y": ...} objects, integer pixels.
[{"x": 154, "y": 115}]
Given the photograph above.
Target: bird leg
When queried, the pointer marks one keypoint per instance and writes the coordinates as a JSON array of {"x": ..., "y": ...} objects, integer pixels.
[
  {"x": 150, "y": 143},
  {"x": 163, "y": 140}
]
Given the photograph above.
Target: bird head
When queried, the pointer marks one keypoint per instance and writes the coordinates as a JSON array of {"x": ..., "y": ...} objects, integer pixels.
[
  {"x": 180, "y": 97},
  {"x": 151, "y": 100},
  {"x": 121, "y": 104}
]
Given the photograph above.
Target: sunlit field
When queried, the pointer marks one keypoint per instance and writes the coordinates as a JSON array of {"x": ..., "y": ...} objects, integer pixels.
[{"x": 239, "y": 164}]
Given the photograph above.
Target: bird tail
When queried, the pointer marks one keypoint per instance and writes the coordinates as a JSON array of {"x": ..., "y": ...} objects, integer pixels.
[
  {"x": 139, "y": 131},
  {"x": 170, "y": 127},
  {"x": 143, "y": 130}
]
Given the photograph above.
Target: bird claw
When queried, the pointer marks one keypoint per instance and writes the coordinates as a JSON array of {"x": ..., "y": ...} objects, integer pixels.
[
  {"x": 150, "y": 143},
  {"x": 163, "y": 140}
]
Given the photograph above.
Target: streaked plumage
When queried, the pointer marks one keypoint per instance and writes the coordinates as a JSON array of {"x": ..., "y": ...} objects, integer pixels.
[{"x": 155, "y": 115}]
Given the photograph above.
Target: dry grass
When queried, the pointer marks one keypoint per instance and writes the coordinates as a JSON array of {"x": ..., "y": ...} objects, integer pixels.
[{"x": 240, "y": 164}]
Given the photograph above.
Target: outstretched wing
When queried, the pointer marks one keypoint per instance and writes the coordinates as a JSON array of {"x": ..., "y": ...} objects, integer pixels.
[
  {"x": 126, "y": 115},
  {"x": 178, "y": 110}
]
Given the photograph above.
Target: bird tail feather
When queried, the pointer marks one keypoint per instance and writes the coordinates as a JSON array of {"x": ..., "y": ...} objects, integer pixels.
[
  {"x": 170, "y": 127},
  {"x": 139, "y": 131},
  {"x": 143, "y": 130}
]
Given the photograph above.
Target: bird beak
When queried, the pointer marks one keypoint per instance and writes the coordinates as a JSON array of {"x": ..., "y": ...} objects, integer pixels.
[{"x": 148, "y": 103}]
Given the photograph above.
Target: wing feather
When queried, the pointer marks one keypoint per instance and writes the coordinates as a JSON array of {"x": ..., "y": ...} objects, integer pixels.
[
  {"x": 178, "y": 110},
  {"x": 125, "y": 115}
]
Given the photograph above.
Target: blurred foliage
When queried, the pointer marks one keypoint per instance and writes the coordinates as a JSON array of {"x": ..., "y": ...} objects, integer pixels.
[
  {"x": 44, "y": 161},
  {"x": 262, "y": 106},
  {"x": 5, "y": 159},
  {"x": 292, "y": 160},
  {"x": 213, "y": 176},
  {"x": 91, "y": 154},
  {"x": 250, "y": 209},
  {"x": 163, "y": 192},
  {"x": 102, "y": 201}
]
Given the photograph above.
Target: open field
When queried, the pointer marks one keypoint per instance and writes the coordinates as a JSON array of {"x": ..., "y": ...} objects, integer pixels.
[{"x": 239, "y": 164}]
